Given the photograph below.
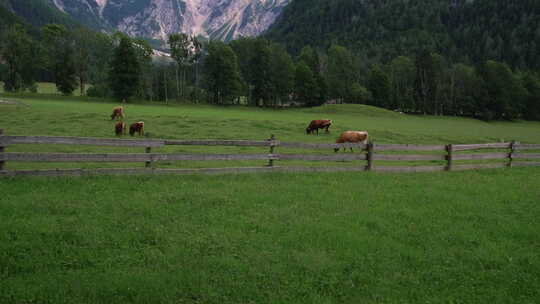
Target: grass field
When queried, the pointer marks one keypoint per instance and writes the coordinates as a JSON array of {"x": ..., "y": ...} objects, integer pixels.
[
  {"x": 45, "y": 88},
  {"x": 452, "y": 237}
]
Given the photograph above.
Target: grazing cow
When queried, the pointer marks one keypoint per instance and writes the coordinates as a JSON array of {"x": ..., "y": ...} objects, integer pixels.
[
  {"x": 315, "y": 125},
  {"x": 120, "y": 128},
  {"x": 137, "y": 127},
  {"x": 118, "y": 112},
  {"x": 352, "y": 137}
]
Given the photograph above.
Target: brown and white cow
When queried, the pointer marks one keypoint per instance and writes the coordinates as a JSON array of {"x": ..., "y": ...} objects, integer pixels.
[
  {"x": 315, "y": 125},
  {"x": 137, "y": 127},
  {"x": 118, "y": 112},
  {"x": 352, "y": 137},
  {"x": 120, "y": 128}
]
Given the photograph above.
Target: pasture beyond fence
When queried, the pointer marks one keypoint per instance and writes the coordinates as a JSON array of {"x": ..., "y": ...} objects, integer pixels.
[{"x": 374, "y": 157}]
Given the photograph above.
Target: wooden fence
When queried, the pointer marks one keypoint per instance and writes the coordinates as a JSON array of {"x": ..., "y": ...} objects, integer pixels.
[{"x": 375, "y": 157}]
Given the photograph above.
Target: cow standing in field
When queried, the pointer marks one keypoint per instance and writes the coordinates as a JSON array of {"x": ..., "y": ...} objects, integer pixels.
[
  {"x": 315, "y": 125},
  {"x": 120, "y": 128},
  {"x": 137, "y": 127},
  {"x": 352, "y": 137},
  {"x": 118, "y": 112}
]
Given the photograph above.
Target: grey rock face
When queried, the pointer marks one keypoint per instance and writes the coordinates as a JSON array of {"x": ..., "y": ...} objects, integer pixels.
[{"x": 217, "y": 19}]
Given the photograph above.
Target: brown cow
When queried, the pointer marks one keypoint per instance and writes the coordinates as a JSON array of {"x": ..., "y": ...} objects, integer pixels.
[
  {"x": 137, "y": 127},
  {"x": 315, "y": 125},
  {"x": 118, "y": 112},
  {"x": 352, "y": 137},
  {"x": 120, "y": 128}
]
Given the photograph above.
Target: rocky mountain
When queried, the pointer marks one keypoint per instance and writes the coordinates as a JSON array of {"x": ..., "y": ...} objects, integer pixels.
[{"x": 217, "y": 19}]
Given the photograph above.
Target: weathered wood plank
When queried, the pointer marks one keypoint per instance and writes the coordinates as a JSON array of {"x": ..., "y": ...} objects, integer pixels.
[
  {"x": 527, "y": 146},
  {"x": 526, "y": 164},
  {"x": 322, "y": 146},
  {"x": 322, "y": 157},
  {"x": 525, "y": 155},
  {"x": 481, "y": 146},
  {"x": 10, "y": 140},
  {"x": 143, "y": 171},
  {"x": 211, "y": 142},
  {"x": 407, "y": 147},
  {"x": 126, "y": 157},
  {"x": 131, "y": 171},
  {"x": 408, "y": 168},
  {"x": 479, "y": 166},
  {"x": 408, "y": 157},
  {"x": 479, "y": 156}
]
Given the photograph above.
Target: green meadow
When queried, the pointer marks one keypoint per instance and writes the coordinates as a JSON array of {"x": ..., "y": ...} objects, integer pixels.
[{"x": 447, "y": 237}]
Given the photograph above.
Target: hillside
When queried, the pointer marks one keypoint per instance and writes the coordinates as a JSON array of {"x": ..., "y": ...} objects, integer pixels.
[
  {"x": 466, "y": 31},
  {"x": 35, "y": 13}
]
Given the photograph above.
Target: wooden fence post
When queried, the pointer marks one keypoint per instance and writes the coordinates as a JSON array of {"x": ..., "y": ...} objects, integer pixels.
[
  {"x": 511, "y": 154},
  {"x": 2, "y": 162},
  {"x": 369, "y": 166},
  {"x": 147, "y": 164},
  {"x": 449, "y": 156},
  {"x": 272, "y": 146}
]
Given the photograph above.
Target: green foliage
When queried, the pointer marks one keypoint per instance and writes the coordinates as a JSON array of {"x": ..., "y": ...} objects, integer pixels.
[
  {"x": 532, "y": 104},
  {"x": 38, "y": 13},
  {"x": 463, "y": 31},
  {"x": 360, "y": 94},
  {"x": 261, "y": 79},
  {"x": 504, "y": 92},
  {"x": 340, "y": 74},
  {"x": 60, "y": 56},
  {"x": 221, "y": 74},
  {"x": 21, "y": 56},
  {"x": 282, "y": 71},
  {"x": 125, "y": 69},
  {"x": 402, "y": 74},
  {"x": 379, "y": 85},
  {"x": 305, "y": 85}
]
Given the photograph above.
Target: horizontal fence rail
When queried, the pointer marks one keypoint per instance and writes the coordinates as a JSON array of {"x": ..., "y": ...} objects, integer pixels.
[{"x": 364, "y": 157}]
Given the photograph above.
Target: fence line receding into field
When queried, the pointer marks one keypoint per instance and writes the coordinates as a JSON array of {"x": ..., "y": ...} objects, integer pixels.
[{"x": 374, "y": 157}]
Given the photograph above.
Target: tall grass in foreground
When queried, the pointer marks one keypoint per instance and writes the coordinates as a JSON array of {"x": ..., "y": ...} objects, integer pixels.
[{"x": 458, "y": 237}]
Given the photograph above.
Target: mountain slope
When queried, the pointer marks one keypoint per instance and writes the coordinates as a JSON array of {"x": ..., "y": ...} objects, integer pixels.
[
  {"x": 463, "y": 30},
  {"x": 36, "y": 13},
  {"x": 217, "y": 19}
]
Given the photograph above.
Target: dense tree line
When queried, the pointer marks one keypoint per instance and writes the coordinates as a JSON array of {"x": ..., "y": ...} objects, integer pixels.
[
  {"x": 258, "y": 72},
  {"x": 460, "y": 30}
]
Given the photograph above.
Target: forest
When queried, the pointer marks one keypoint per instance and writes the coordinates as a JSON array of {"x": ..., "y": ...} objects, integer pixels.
[{"x": 438, "y": 70}]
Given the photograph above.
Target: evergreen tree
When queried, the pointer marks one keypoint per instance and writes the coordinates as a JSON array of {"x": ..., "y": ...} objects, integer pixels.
[{"x": 125, "y": 69}]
